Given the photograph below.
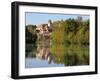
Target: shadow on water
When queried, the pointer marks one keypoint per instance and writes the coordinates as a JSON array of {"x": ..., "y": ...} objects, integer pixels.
[{"x": 46, "y": 54}]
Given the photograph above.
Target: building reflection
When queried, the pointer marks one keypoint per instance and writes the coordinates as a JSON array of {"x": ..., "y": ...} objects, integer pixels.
[{"x": 43, "y": 51}]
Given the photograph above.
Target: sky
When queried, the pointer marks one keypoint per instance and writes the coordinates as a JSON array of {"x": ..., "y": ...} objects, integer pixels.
[{"x": 35, "y": 18}]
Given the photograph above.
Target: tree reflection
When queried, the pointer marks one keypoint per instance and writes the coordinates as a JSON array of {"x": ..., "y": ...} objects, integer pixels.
[{"x": 70, "y": 55}]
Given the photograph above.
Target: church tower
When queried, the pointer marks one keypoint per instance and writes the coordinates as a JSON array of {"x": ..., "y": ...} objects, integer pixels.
[{"x": 50, "y": 25}]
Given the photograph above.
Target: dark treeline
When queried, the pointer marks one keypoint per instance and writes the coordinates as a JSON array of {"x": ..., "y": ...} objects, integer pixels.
[{"x": 30, "y": 34}]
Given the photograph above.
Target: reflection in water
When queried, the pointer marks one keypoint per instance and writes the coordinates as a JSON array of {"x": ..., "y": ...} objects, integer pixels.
[
  {"x": 43, "y": 51},
  {"x": 45, "y": 54}
]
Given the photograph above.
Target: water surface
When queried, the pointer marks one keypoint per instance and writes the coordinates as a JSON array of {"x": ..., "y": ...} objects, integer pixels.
[{"x": 45, "y": 54}]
